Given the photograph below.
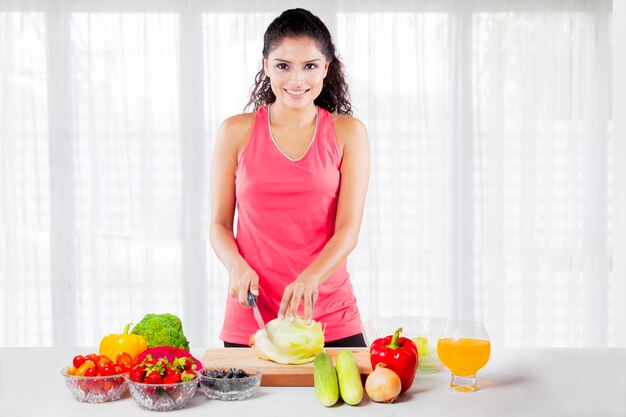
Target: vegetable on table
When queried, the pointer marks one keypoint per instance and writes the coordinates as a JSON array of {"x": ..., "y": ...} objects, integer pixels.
[
  {"x": 82, "y": 370},
  {"x": 124, "y": 360},
  {"x": 398, "y": 354},
  {"x": 349, "y": 377},
  {"x": 325, "y": 380},
  {"x": 289, "y": 342},
  {"x": 103, "y": 361},
  {"x": 107, "y": 370},
  {"x": 383, "y": 385},
  {"x": 78, "y": 360},
  {"x": 162, "y": 330},
  {"x": 99, "y": 365},
  {"x": 113, "y": 344}
]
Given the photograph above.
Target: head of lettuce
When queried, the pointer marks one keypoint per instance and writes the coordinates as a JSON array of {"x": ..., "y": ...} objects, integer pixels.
[{"x": 289, "y": 342}]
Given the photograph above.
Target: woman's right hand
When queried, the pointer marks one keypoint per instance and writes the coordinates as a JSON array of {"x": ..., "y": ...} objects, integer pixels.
[{"x": 241, "y": 279}]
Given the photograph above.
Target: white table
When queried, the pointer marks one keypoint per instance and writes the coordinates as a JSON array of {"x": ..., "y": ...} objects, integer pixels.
[{"x": 516, "y": 382}]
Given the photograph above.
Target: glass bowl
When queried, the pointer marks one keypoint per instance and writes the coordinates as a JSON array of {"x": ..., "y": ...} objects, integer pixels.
[
  {"x": 162, "y": 397},
  {"x": 424, "y": 331},
  {"x": 230, "y": 389},
  {"x": 95, "y": 389}
]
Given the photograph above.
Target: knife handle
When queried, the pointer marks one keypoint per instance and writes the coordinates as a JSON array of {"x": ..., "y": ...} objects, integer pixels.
[{"x": 251, "y": 299}]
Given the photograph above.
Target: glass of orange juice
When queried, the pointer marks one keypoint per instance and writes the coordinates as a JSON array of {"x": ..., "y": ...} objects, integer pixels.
[{"x": 464, "y": 348}]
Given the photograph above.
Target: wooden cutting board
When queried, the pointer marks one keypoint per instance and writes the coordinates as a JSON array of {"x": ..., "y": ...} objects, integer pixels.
[{"x": 275, "y": 374}]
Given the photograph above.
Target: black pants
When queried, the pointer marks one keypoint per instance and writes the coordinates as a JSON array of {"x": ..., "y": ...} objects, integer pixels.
[{"x": 347, "y": 342}]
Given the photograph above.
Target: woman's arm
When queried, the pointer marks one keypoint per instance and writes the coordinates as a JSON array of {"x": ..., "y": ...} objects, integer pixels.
[
  {"x": 231, "y": 139},
  {"x": 355, "y": 170}
]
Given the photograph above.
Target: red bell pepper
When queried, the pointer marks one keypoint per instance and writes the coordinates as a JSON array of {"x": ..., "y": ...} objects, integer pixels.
[{"x": 398, "y": 354}]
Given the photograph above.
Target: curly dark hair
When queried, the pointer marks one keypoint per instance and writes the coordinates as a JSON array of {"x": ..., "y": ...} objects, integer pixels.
[{"x": 298, "y": 23}]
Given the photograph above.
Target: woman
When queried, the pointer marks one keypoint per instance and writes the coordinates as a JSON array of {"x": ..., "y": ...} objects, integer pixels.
[{"x": 297, "y": 170}]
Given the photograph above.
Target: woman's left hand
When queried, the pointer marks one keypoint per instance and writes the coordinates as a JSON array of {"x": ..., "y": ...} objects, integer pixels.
[{"x": 302, "y": 289}]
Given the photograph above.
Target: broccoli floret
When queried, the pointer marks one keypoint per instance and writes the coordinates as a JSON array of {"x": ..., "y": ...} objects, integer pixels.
[{"x": 162, "y": 330}]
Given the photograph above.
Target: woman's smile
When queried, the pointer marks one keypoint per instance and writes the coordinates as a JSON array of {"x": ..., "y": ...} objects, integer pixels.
[
  {"x": 297, "y": 94},
  {"x": 296, "y": 69}
]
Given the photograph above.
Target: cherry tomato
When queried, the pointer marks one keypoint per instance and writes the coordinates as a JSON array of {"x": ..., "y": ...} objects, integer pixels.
[
  {"x": 78, "y": 361},
  {"x": 102, "y": 362},
  {"x": 93, "y": 357},
  {"x": 107, "y": 370},
  {"x": 91, "y": 372},
  {"x": 71, "y": 370},
  {"x": 124, "y": 359},
  {"x": 81, "y": 371}
]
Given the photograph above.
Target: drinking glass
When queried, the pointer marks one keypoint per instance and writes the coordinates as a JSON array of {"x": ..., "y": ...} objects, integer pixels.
[{"x": 464, "y": 348}]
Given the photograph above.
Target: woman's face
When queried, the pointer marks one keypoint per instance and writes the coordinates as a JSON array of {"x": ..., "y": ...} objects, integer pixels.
[{"x": 296, "y": 69}]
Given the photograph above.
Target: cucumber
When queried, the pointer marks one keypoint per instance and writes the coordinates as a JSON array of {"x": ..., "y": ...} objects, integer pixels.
[
  {"x": 350, "y": 385},
  {"x": 325, "y": 380}
]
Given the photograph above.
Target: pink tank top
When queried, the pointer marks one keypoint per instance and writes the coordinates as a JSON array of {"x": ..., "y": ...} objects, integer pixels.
[{"x": 286, "y": 214}]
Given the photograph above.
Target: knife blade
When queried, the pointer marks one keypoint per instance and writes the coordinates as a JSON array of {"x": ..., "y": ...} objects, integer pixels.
[{"x": 252, "y": 300}]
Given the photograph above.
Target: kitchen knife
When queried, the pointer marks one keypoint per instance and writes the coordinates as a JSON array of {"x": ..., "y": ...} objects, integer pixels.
[{"x": 255, "y": 310}]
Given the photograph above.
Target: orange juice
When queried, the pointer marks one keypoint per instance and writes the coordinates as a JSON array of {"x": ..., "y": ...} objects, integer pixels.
[{"x": 464, "y": 357}]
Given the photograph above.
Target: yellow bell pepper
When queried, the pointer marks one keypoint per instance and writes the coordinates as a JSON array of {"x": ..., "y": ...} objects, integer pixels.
[{"x": 114, "y": 344}]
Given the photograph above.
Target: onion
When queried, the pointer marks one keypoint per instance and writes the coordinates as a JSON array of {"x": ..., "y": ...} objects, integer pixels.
[{"x": 383, "y": 385}]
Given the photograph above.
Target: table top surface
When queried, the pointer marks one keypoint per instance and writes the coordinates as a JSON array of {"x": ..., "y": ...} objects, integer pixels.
[{"x": 515, "y": 382}]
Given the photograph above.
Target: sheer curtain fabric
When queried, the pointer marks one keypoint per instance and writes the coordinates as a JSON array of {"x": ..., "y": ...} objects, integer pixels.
[{"x": 495, "y": 181}]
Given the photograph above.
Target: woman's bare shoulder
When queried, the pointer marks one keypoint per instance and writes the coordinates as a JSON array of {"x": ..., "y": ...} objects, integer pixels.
[
  {"x": 348, "y": 129},
  {"x": 238, "y": 125},
  {"x": 347, "y": 122},
  {"x": 234, "y": 132}
]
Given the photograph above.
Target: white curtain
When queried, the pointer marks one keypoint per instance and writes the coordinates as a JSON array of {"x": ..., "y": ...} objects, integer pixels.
[{"x": 493, "y": 189}]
